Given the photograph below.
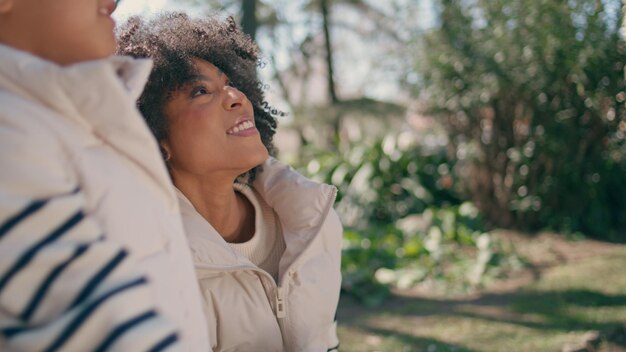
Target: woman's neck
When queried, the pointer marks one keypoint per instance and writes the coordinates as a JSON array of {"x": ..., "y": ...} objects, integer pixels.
[{"x": 215, "y": 199}]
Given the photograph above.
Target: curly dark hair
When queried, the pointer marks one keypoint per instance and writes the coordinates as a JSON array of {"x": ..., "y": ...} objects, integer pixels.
[{"x": 172, "y": 41}]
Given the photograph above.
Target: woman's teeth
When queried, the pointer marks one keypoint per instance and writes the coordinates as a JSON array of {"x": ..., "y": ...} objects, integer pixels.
[{"x": 240, "y": 127}]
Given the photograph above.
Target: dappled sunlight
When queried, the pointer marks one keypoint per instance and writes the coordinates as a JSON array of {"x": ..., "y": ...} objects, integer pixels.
[{"x": 544, "y": 312}]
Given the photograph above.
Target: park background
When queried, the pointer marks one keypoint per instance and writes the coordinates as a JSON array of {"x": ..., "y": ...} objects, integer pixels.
[{"x": 479, "y": 151}]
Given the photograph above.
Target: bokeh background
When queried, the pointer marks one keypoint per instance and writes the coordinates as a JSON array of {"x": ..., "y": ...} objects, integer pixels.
[{"x": 479, "y": 151}]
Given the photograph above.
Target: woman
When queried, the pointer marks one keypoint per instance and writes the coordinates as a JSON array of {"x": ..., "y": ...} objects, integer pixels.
[
  {"x": 92, "y": 251},
  {"x": 265, "y": 240}
]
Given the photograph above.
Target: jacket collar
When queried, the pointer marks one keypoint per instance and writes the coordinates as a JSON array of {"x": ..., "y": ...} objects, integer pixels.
[
  {"x": 301, "y": 205},
  {"x": 98, "y": 95}
]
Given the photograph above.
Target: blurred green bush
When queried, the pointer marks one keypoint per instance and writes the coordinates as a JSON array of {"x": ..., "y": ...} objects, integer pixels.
[
  {"x": 384, "y": 180},
  {"x": 533, "y": 97},
  {"x": 405, "y": 223}
]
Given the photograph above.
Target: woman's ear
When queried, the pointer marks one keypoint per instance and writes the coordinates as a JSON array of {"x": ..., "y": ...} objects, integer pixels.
[
  {"x": 165, "y": 149},
  {"x": 6, "y": 6}
]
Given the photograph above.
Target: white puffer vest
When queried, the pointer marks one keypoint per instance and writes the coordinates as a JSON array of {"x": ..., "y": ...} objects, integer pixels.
[{"x": 247, "y": 310}]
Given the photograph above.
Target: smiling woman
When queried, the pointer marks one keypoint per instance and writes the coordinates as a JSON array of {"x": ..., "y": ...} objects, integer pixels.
[
  {"x": 265, "y": 240},
  {"x": 211, "y": 128},
  {"x": 198, "y": 57}
]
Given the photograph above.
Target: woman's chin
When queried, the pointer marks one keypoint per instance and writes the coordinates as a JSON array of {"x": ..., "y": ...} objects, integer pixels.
[
  {"x": 258, "y": 157},
  {"x": 251, "y": 163}
]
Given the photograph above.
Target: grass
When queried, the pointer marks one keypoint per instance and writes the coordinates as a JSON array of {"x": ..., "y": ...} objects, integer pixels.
[{"x": 557, "y": 308}]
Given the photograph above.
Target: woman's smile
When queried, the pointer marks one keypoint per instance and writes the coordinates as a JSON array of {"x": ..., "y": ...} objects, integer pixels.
[{"x": 243, "y": 128}]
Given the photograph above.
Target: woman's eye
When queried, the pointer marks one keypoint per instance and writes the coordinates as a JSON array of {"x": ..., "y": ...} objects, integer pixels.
[{"x": 199, "y": 91}]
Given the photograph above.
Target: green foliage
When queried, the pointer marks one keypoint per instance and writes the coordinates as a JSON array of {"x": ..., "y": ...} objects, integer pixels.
[
  {"x": 381, "y": 182},
  {"x": 443, "y": 247},
  {"x": 405, "y": 224},
  {"x": 533, "y": 96}
]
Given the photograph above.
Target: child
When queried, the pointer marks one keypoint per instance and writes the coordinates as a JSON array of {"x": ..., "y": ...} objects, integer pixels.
[
  {"x": 92, "y": 251},
  {"x": 266, "y": 241}
]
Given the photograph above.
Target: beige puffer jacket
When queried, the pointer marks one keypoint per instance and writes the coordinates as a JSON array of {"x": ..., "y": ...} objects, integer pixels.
[
  {"x": 92, "y": 250},
  {"x": 247, "y": 310}
]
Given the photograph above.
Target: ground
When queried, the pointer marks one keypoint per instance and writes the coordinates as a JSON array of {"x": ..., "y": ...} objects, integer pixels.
[{"x": 570, "y": 297}]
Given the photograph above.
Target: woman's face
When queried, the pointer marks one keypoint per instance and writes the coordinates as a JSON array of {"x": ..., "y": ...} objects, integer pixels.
[
  {"x": 211, "y": 127},
  {"x": 62, "y": 31}
]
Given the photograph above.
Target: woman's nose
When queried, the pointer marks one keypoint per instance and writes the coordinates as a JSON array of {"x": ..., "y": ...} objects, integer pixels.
[{"x": 234, "y": 98}]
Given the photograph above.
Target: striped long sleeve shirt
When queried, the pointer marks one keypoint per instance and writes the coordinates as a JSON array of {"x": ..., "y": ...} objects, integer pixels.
[{"x": 63, "y": 287}]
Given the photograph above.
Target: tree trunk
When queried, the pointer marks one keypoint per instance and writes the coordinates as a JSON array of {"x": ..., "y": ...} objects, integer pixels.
[
  {"x": 329, "y": 52},
  {"x": 248, "y": 19}
]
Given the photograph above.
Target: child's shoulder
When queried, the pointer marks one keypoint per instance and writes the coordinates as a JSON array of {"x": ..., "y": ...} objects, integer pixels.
[{"x": 25, "y": 120}]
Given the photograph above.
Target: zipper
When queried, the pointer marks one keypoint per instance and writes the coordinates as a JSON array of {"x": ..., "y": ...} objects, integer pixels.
[
  {"x": 282, "y": 318},
  {"x": 281, "y": 306},
  {"x": 280, "y": 303},
  {"x": 281, "y": 309}
]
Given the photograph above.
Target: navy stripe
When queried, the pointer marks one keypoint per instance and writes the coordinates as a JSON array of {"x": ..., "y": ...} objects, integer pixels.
[
  {"x": 11, "y": 332},
  {"x": 30, "y": 254},
  {"x": 16, "y": 219},
  {"x": 336, "y": 348},
  {"x": 86, "y": 313},
  {"x": 124, "y": 327},
  {"x": 99, "y": 277},
  {"x": 43, "y": 289},
  {"x": 166, "y": 342}
]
